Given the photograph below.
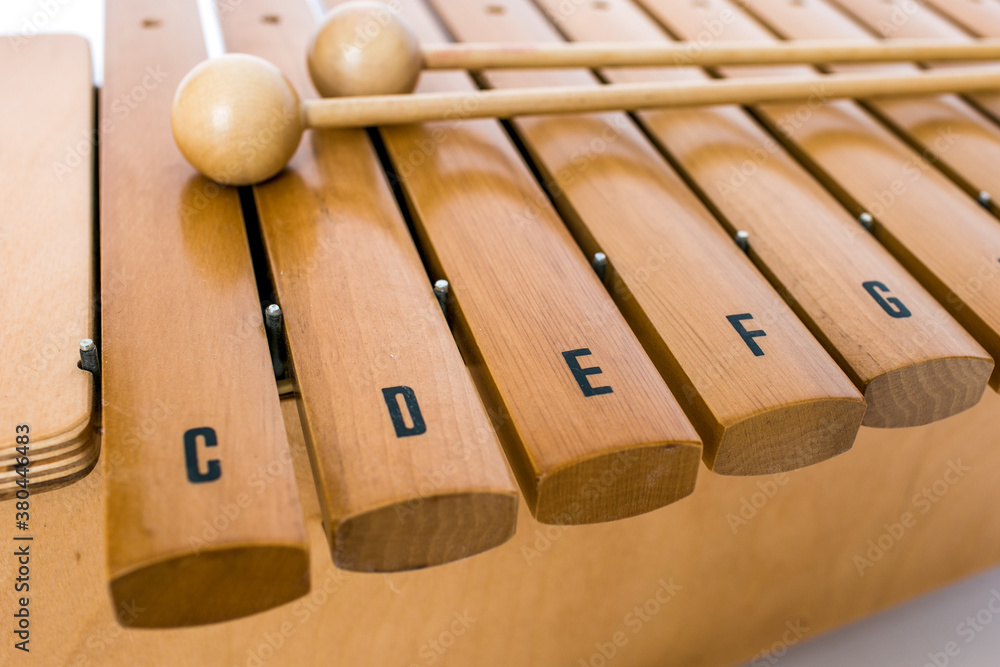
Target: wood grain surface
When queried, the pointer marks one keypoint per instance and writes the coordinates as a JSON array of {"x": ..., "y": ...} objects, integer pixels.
[
  {"x": 589, "y": 427},
  {"x": 47, "y": 256},
  {"x": 951, "y": 21},
  {"x": 956, "y": 20},
  {"x": 911, "y": 371},
  {"x": 978, "y": 18},
  {"x": 204, "y": 522},
  {"x": 750, "y": 555},
  {"x": 945, "y": 129},
  {"x": 678, "y": 276},
  {"x": 755, "y": 556},
  {"x": 362, "y": 320},
  {"x": 937, "y": 232},
  {"x": 913, "y": 363}
]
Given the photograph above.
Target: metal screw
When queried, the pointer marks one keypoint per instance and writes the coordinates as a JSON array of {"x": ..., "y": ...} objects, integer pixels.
[
  {"x": 275, "y": 338},
  {"x": 89, "y": 359},
  {"x": 600, "y": 264},
  {"x": 441, "y": 288}
]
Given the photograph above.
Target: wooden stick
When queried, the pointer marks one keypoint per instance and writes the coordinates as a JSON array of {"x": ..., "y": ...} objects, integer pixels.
[
  {"x": 402, "y": 109},
  {"x": 475, "y": 56},
  {"x": 267, "y": 105}
]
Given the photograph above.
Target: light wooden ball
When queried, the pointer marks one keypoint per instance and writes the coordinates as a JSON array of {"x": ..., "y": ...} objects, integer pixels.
[
  {"x": 237, "y": 119},
  {"x": 363, "y": 48}
]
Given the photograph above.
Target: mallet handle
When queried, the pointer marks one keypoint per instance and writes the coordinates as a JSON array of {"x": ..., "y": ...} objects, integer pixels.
[
  {"x": 416, "y": 108},
  {"x": 471, "y": 56}
]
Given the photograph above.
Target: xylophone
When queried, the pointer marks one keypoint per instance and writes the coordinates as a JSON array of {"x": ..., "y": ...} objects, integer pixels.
[{"x": 503, "y": 350}]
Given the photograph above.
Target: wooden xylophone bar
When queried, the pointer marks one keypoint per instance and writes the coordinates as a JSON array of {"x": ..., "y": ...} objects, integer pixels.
[
  {"x": 390, "y": 451},
  {"x": 959, "y": 20}
]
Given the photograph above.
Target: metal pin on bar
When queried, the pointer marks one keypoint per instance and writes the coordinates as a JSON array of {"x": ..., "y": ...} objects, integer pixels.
[
  {"x": 441, "y": 292},
  {"x": 866, "y": 220},
  {"x": 600, "y": 264},
  {"x": 272, "y": 320},
  {"x": 287, "y": 387},
  {"x": 742, "y": 239},
  {"x": 272, "y": 325},
  {"x": 89, "y": 359},
  {"x": 984, "y": 198}
]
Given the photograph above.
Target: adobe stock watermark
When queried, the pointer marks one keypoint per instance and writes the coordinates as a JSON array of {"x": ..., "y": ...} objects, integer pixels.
[
  {"x": 226, "y": 7},
  {"x": 143, "y": 428},
  {"x": 634, "y": 620},
  {"x": 32, "y": 366},
  {"x": 590, "y": 490},
  {"x": 913, "y": 170},
  {"x": 34, "y": 23},
  {"x": 741, "y": 171},
  {"x": 922, "y": 503},
  {"x": 792, "y": 121},
  {"x": 121, "y": 108},
  {"x": 268, "y": 643},
  {"x": 986, "y": 272},
  {"x": 407, "y": 157},
  {"x": 435, "y": 481},
  {"x": 575, "y": 167},
  {"x": 794, "y": 632},
  {"x": 899, "y": 16},
  {"x": 711, "y": 28},
  {"x": 624, "y": 284},
  {"x": 366, "y": 33},
  {"x": 434, "y": 648},
  {"x": 623, "y": 287},
  {"x": 106, "y": 636},
  {"x": 246, "y": 152},
  {"x": 230, "y": 513},
  {"x": 751, "y": 505},
  {"x": 968, "y": 630}
]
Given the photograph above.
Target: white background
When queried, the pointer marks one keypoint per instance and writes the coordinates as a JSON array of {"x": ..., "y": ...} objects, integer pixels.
[{"x": 904, "y": 636}]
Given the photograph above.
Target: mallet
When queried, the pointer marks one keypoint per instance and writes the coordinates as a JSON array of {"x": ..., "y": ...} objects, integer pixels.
[
  {"x": 362, "y": 48},
  {"x": 238, "y": 121}
]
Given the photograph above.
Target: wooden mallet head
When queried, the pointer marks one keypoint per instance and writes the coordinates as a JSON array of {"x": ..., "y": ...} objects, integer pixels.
[
  {"x": 363, "y": 48},
  {"x": 238, "y": 120}
]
